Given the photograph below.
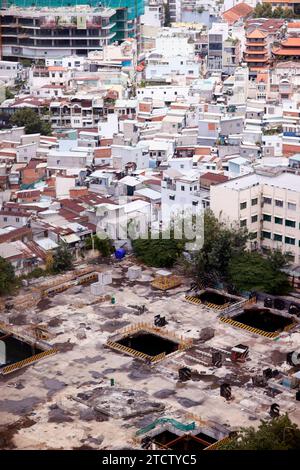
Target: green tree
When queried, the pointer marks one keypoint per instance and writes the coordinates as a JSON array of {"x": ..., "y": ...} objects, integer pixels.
[
  {"x": 277, "y": 259},
  {"x": 288, "y": 13},
  {"x": 263, "y": 11},
  {"x": 7, "y": 277},
  {"x": 8, "y": 94},
  {"x": 277, "y": 434},
  {"x": 62, "y": 259},
  {"x": 31, "y": 121},
  {"x": 158, "y": 252},
  {"x": 252, "y": 271},
  {"x": 221, "y": 243},
  {"x": 103, "y": 245}
]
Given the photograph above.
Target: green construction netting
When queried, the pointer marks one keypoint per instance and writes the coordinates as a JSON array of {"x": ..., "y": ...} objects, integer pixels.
[{"x": 173, "y": 422}]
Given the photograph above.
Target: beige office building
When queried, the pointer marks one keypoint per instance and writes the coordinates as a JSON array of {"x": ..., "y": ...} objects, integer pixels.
[{"x": 269, "y": 206}]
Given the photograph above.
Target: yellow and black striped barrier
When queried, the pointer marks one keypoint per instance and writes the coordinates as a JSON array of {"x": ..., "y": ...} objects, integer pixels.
[
  {"x": 197, "y": 301},
  {"x": 217, "y": 307},
  {"x": 27, "y": 361},
  {"x": 192, "y": 299},
  {"x": 134, "y": 353},
  {"x": 289, "y": 327},
  {"x": 257, "y": 331}
]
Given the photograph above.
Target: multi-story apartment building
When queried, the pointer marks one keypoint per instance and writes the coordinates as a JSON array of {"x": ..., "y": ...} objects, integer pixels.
[
  {"x": 39, "y": 33},
  {"x": 55, "y": 28},
  {"x": 174, "y": 10},
  {"x": 79, "y": 112},
  {"x": 268, "y": 205},
  {"x": 223, "y": 50},
  {"x": 181, "y": 192}
]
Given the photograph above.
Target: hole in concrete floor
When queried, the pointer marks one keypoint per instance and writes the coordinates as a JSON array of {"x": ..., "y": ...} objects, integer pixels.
[
  {"x": 165, "y": 437},
  {"x": 149, "y": 343},
  {"x": 13, "y": 350},
  {"x": 189, "y": 444},
  {"x": 206, "y": 438},
  {"x": 186, "y": 442},
  {"x": 214, "y": 298},
  {"x": 263, "y": 319}
]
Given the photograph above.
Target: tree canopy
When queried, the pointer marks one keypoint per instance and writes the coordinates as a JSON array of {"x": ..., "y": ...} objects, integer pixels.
[
  {"x": 276, "y": 434},
  {"x": 161, "y": 252},
  {"x": 62, "y": 259},
  {"x": 264, "y": 10},
  {"x": 224, "y": 258},
  {"x": 103, "y": 245},
  {"x": 253, "y": 271},
  {"x": 221, "y": 243},
  {"x": 31, "y": 121},
  {"x": 7, "y": 276}
]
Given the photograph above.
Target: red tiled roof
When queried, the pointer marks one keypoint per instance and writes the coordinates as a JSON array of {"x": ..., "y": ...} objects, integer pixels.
[
  {"x": 36, "y": 250},
  {"x": 256, "y": 34},
  {"x": 28, "y": 194},
  {"x": 16, "y": 234},
  {"x": 295, "y": 24},
  {"x": 71, "y": 205},
  {"x": 93, "y": 199},
  {"x": 291, "y": 42},
  {"x": 152, "y": 181},
  {"x": 214, "y": 177},
  {"x": 283, "y": 51},
  {"x": 14, "y": 213},
  {"x": 241, "y": 10}
]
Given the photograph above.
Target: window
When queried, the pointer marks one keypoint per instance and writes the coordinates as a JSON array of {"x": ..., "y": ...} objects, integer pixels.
[
  {"x": 290, "y": 241},
  {"x": 267, "y": 200},
  {"x": 278, "y": 203},
  {"x": 17, "y": 219},
  {"x": 195, "y": 203},
  {"x": 254, "y": 218},
  {"x": 266, "y": 235},
  {"x": 290, "y": 223},
  {"x": 267, "y": 217},
  {"x": 291, "y": 206},
  {"x": 243, "y": 205},
  {"x": 243, "y": 223},
  {"x": 278, "y": 220},
  {"x": 277, "y": 237},
  {"x": 254, "y": 202},
  {"x": 182, "y": 188},
  {"x": 172, "y": 198},
  {"x": 5, "y": 219}
]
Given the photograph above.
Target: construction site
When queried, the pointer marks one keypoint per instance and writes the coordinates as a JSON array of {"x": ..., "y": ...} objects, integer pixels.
[{"x": 123, "y": 356}]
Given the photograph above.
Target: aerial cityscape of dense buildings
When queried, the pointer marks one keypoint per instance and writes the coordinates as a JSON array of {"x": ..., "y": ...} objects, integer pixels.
[{"x": 121, "y": 122}]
